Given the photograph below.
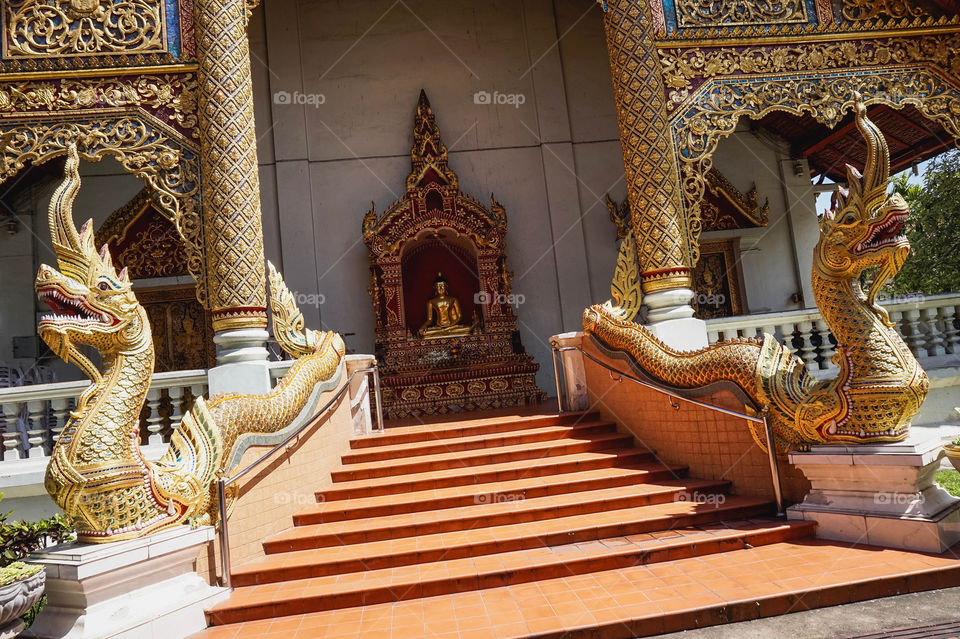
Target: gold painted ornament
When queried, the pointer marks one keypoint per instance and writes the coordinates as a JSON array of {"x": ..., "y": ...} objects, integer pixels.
[
  {"x": 97, "y": 473},
  {"x": 880, "y": 385}
]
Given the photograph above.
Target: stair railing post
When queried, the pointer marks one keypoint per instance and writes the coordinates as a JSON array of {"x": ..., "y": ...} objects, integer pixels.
[
  {"x": 556, "y": 377},
  {"x": 378, "y": 397},
  {"x": 224, "y": 534},
  {"x": 774, "y": 468}
]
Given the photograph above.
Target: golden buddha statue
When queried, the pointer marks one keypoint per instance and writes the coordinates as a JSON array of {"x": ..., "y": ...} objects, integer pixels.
[{"x": 443, "y": 314}]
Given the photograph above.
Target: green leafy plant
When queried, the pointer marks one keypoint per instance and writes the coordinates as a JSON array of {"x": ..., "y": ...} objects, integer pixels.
[
  {"x": 950, "y": 480},
  {"x": 20, "y": 538},
  {"x": 18, "y": 571}
]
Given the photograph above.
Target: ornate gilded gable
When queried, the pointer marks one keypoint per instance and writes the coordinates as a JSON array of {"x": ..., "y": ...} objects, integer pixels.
[
  {"x": 734, "y": 208},
  {"x": 141, "y": 239},
  {"x": 432, "y": 187},
  {"x": 429, "y": 154}
]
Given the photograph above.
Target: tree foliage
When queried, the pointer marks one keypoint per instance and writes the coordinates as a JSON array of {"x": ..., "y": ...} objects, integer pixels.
[{"x": 934, "y": 229}]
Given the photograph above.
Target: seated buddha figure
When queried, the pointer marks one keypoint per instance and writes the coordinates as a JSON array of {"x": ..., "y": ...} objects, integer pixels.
[{"x": 443, "y": 314}]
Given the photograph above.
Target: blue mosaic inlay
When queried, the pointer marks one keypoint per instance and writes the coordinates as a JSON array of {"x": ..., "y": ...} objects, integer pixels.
[{"x": 172, "y": 10}]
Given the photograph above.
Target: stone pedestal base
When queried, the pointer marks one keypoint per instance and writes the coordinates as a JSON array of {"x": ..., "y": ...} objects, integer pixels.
[
  {"x": 681, "y": 334},
  {"x": 144, "y": 588},
  {"x": 12, "y": 629},
  {"x": 881, "y": 494},
  {"x": 242, "y": 365}
]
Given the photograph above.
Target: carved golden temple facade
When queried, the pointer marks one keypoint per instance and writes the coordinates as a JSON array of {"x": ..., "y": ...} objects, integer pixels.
[{"x": 174, "y": 101}]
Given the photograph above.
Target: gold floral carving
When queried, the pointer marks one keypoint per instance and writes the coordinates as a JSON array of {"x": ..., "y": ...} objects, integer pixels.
[
  {"x": 665, "y": 238},
  {"x": 174, "y": 93},
  {"x": 117, "y": 222},
  {"x": 156, "y": 251},
  {"x": 428, "y": 152},
  {"x": 747, "y": 204},
  {"x": 162, "y": 158},
  {"x": 870, "y": 9},
  {"x": 718, "y": 106},
  {"x": 231, "y": 189},
  {"x": 36, "y": 28},
  {"x": 682, "y": 67},
  {"x": 710, "y": 89},
  {"x": 721, "y": 13}
]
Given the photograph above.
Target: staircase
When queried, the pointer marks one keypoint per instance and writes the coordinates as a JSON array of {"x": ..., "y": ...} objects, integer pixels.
[{"x": 424, "y": 512}]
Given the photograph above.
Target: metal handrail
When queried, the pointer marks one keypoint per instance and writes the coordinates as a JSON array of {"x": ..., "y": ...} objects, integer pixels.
[
  {"x": 765, "y": 411},
  {"x": 222, "y": 483}
]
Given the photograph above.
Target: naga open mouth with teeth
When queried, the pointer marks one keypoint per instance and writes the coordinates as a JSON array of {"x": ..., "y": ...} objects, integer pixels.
[
  {"x": 888, "y": 233},
  {"x": 68, "y": 309}
]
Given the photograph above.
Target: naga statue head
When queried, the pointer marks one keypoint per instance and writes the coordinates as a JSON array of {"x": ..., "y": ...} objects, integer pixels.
[
  {"x": 91, "y": 303},
  {"x": 864, "y": 227}
]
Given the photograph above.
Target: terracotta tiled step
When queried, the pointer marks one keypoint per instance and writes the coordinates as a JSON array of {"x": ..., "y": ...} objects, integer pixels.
[
  {"x": 514, "y": 507},
  {"x": 477, "y": 573},
  {"x": 493, "y": 492},
  {"x": 503, "y": 471},
  {"x": 468, "y": 428},
  {"x": 583, "y": 430},
  {"x": 379, "y": 555},
  {"x": 639, "y": 601},
  {"x": 552, "y": 526},
  {"x": 445, "y": 461}
]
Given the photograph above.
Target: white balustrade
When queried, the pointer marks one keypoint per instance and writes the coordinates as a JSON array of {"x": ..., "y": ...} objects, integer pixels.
[
  {"x": 11, "y": 434},
  {"x": 48, "y": 407},
  {"x": 930, "y": 327}
]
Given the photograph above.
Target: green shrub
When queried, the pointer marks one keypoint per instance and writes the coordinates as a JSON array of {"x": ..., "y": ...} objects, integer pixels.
[
  {"x": 20, "y": 538},
  {"x": 18, "y": 571},
  {"x": 950, "y": 480}
]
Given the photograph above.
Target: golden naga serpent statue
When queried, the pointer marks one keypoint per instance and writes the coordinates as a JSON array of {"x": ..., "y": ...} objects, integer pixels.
[
  {"x": 880, "y": 385},
  {"x": 97, "y": 473}
]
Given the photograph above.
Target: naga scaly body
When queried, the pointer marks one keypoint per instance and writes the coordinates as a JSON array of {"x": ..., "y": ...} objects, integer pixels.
[
  {"x": 880, "y": 385},
  {"x": 97, "y": 473}
]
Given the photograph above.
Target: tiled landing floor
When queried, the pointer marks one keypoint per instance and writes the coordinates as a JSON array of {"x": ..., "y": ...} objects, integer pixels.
[{"x": 638, "y": 601}]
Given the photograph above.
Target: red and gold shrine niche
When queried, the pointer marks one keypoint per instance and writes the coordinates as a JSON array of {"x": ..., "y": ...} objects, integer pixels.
[{"x": 447, "y": 336}]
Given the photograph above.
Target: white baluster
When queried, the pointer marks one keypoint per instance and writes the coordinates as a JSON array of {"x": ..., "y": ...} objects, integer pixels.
[
  {"x": 198, "y": 390},
  {"x": 36, "y": 430},
  {"x": 61, "y": 412},
  {"x": 827, "y": 348},
  {"x": 154, "y": 418},
  {"x": 787, "y": 330},
  {"x": 808, "y": 352},
  {"x": 912, "y": 333},
  {"x": 768, "y": 329},
  {"x": 713, "y": 336},
  {"x": 11, "y": 436},
  {"x": 176, "y": 405},
  {"x": 896, "y": 317},
  {"x": 935, "y": 337},
  {"x": 952, "y": 328}
]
